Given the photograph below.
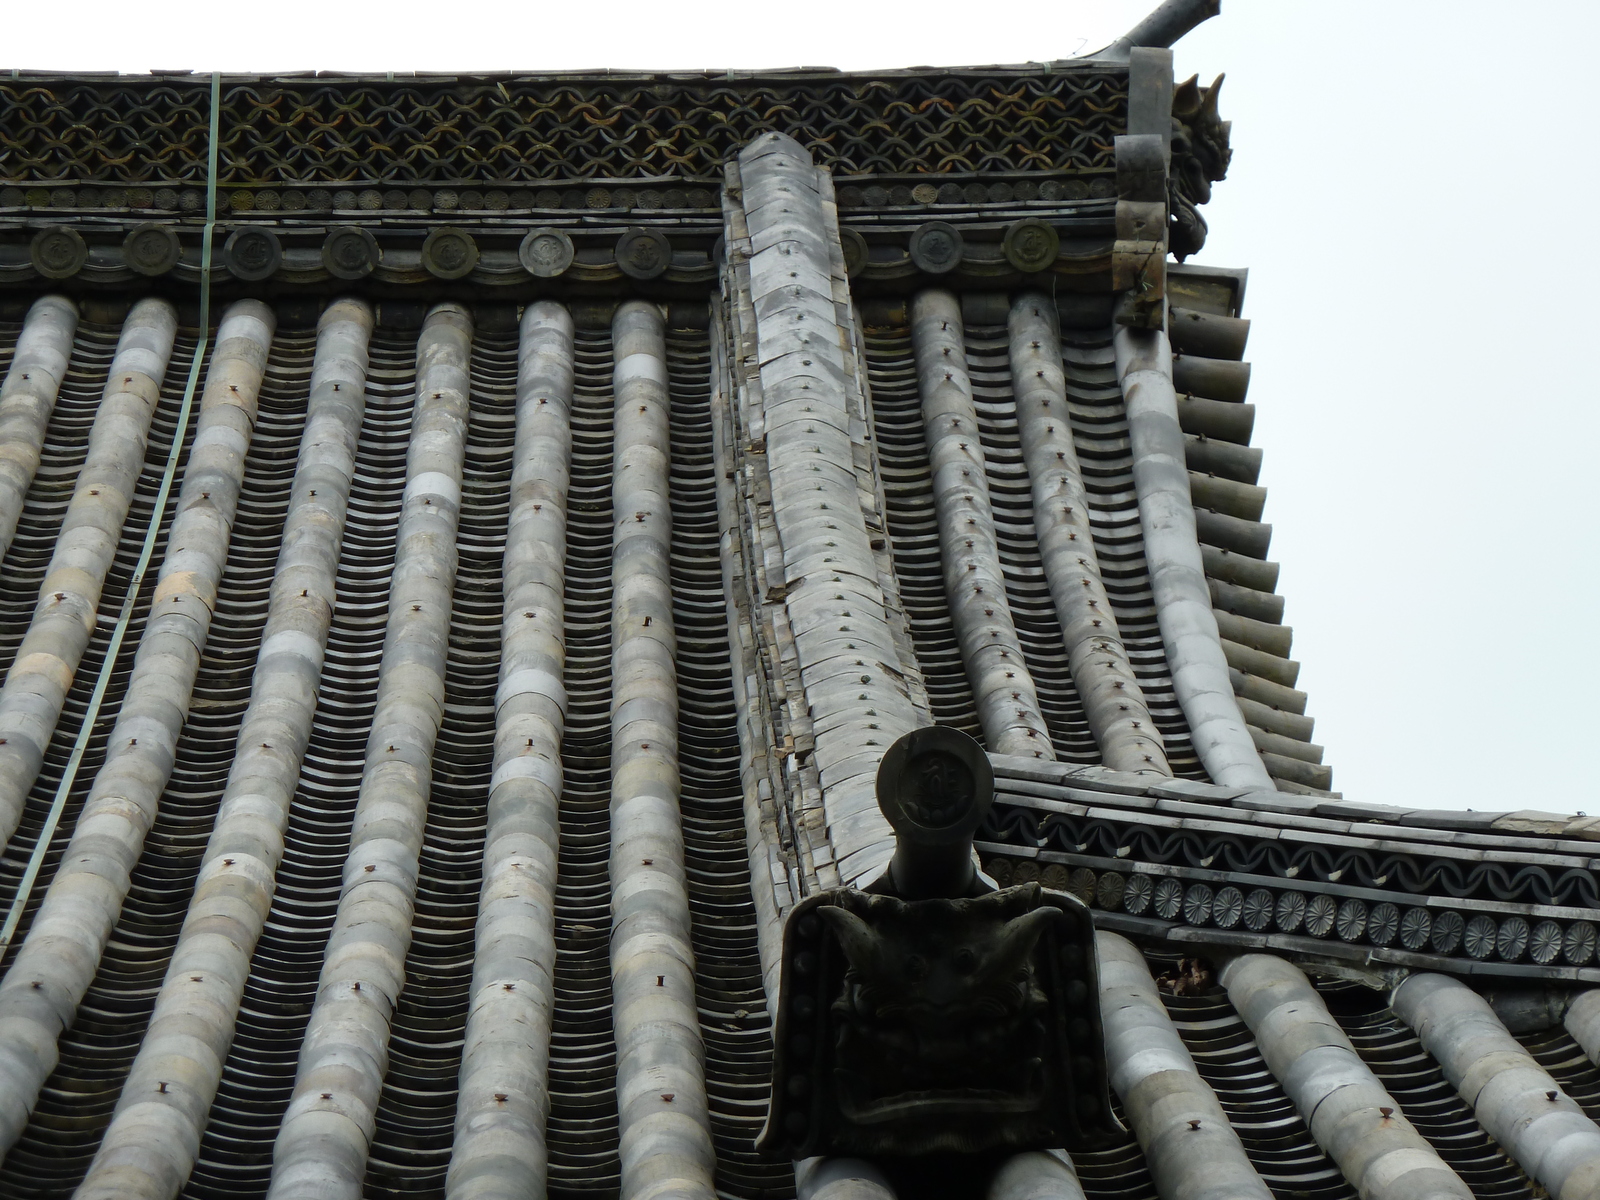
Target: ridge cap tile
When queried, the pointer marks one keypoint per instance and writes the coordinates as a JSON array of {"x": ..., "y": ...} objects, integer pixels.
[
  {"x": 1103, "y": 779},
  {"x": 1193, "y": 789},
  {"x": 1360, "y": 810},
  {"x": 1545, "y": 824},
  {"x": 1280, "y": 802},
  {"x": 1451, "y": 819}
]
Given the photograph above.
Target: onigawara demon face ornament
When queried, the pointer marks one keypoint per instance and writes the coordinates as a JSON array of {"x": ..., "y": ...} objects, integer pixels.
[{"x": 930, "y": 1012}]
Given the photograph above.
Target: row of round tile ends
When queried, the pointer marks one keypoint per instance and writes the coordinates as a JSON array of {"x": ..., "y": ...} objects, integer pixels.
[
  {"x": 1259, "y": 910},
  {"x": 351, "y": 252},
  {"x": 493, "y": 200}
]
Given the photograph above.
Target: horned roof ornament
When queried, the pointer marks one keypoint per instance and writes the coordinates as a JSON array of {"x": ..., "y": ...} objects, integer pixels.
[{"x": 1200, "y": 157}]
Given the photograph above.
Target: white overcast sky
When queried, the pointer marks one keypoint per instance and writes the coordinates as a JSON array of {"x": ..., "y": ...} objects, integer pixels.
[{"x": 1408, "y": 190}]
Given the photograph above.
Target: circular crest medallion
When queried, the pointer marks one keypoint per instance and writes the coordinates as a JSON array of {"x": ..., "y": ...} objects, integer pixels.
[
  {"x": 449, "y": 253},
  {"x": 350, "y": 253},
  {"x": 935, "y": 785},
  {"x": 855, "y": 251},
  {"x": 546, "y": 252},
  {"x": 151, "y": 249},
  {"x": 1031, "y": 245},
  {"x": 936, "y": 248},
  {"x": 58, "y": 252},
  {"x": 643, "y": 254},
  {"x": 252, "y": 254}
]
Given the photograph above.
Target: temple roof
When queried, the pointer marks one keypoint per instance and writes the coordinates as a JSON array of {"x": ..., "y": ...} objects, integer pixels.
[{"x": 440, "y": 652}]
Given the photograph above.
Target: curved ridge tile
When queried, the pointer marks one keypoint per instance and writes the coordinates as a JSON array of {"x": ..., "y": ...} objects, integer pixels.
[
  {"x": 57, "y": 962},
  {"x": 1516, "y": 1100},
  {"x": 1191, "y": 1148},
  {"x": 1347, "y": 1108},
  {"x": 1583, "y": 1023},
  {"x": 150, "y": 1147},
  {"x": 1036, "y": 1175},
  {"x": 321, "y": 1148},
  {"x": 861, "y": 692},
  {"x": 504, "y": 1099},
  {"x": 1008, "y": 701},
  {"x": 661, "y": 1091},
  {"x": 840, "y": 1179},
  {"x": 1177, "y": 572},
  {"x": 769, "y": 871},
  {"x": 37, "y": 684},
  {"x": 28, "y": 397},
  {"x": 1113, "y": 701}
]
